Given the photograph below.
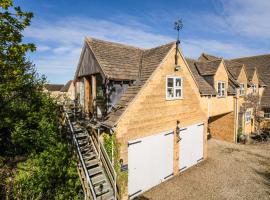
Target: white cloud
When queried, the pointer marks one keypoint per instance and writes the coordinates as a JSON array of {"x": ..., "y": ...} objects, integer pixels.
[
  {"x": 248, "y": 17},
  {"x": 194, "y": 47},
  {"x": 61, "y": 42},
  {"x": 43, "y": 48}
]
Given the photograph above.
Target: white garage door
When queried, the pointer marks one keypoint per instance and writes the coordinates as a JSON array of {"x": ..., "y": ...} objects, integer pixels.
[
  {"x": 191, "y": 146},
  {"x": 150, "y": 161}
]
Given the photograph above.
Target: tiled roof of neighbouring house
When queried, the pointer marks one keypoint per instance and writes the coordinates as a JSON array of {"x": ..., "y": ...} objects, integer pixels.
[
  {"x": 54, "y": 87},
  {"x": 66, "y": 87},
  {"x": 262, "y": 63},
  {"x": 207, "y": 68},
  {"x": 204, "y": 87}
]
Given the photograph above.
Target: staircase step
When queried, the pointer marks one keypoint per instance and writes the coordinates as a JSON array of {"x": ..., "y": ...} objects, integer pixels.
[
  {"x": 107, "y": 196},
  {"x": 94, "y": 171},
  {"x": 98, "y": 179},
  {"x": 80, "y": 136},
  {"x": 89, "y": 156},
  {"x": 85, "y": 148},
  {"x": 91, "y": 163},
  {"x": 106, "y": 188},
  {"x": 83, "y": 142}
]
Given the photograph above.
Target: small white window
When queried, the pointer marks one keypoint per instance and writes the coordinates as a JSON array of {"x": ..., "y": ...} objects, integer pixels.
[
  {"x": 248, "y": 116},
  {"x": 267, "y": 113},
  {"x": 254, "y": 89},
  {"x": 221, "y": 89},
  {"x": 174, "y": 88},
  {"x": 242, "y": 89}
]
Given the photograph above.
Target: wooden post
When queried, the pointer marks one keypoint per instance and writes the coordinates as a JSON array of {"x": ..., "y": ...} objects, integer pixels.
[
  {"x": 86, "y": 95},
  {"x": 94, "y": 93}
]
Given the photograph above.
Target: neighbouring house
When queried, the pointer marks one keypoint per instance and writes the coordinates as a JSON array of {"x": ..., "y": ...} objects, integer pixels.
[
  {"x": 228, "y": 111},
  {"x": 150, "y": 100},
  {"x": 60, "y": 91},
  {"x": 217, "y": 91},
  {"x": 53, "y": 89},
  {"x": 69, "y": 90},
  {"x": 262, "y": 65}
]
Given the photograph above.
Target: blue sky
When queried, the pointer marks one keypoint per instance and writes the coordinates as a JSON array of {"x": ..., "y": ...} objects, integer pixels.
[{"x": 228, "y": 28}]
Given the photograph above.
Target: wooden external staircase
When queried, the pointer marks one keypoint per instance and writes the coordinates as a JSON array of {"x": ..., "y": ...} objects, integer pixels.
[{"x": 97, "y": 175}]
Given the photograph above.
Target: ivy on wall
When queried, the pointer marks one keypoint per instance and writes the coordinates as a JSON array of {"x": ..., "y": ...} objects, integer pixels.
[{"x": 112, "y": 147}]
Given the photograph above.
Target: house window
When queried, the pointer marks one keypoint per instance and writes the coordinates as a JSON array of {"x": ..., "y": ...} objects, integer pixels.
[
  {"x": 248, "y": 116},
  {"x": 267, "y": 113},
  {"x": 254, "y": 89},
  {"x": 242, "y": 89},
  {"x": 174, "y": 88},
  {"x": 221, "y": 88}
]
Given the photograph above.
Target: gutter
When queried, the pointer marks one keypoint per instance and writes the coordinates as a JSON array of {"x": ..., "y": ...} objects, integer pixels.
[{"x": 236, "y": 123}]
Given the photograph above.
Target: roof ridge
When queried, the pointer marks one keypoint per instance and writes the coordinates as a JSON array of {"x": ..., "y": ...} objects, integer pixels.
[
  {"x": 208, "y": 61},
  {"x": 170, "y": 43},
  {"x": 90, "y": 39}
]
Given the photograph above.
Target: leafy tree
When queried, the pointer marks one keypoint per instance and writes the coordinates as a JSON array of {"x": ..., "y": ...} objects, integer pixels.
[
  {"x": 19, "y": 85},
  {"x": 35, "y": 159}
]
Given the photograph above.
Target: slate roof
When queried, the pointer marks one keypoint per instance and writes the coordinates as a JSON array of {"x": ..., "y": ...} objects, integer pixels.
[
  {"x": 207, "y": 68},
  {"x": 262, "y": 63},
  {"x": 148, "y": 62},
  {"x": 66, "y": 87},
  {"x": 204, "y": 87},
  {"x": 233, "y": 73},
  {"x": 234, "y": 68},
  {"x": 207, "y": 57},
  {"x": 117, "y": 61},
  {"x": 54, "y": 87}
]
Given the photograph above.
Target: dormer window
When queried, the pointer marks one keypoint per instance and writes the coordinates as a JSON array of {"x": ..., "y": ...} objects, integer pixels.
[
  {"x": 174, "y": 88},
  {"x": 221, "y": 89},
  {"x": 242, "y": 89},
  {"x": 248, "y": 117},
  {"x": 254, "y": 89}
]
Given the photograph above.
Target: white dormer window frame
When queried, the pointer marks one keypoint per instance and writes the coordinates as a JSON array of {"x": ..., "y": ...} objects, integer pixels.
[
  {"x": 242, "y": 89},
  {"x": 221, "y": 88},
  {"x": 174, "y": 87}
]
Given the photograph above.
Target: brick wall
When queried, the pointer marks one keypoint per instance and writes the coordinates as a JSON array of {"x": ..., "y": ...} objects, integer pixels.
[{"x": 222, "y": 127}]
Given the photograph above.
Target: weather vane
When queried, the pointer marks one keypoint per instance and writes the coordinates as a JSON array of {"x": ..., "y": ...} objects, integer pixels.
[{"x": 178, "y": 25}]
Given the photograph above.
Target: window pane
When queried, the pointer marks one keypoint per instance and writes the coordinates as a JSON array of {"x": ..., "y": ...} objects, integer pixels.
[
  {"x": 170, "y": 92},
  {"x": 178, "y": 93},
  {"x": 178, "y": 82},
  {"x": 170, "y": 82}
]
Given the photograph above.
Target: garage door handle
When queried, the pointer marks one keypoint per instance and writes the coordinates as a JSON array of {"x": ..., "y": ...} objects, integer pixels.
[
  {"x": 168, "y": 176},
  {"x": 134, "y": 193},
  {"x": 183, "y": 168},
  {"x": 168, "y": 133},
  {"x": 134, "y": 143}
]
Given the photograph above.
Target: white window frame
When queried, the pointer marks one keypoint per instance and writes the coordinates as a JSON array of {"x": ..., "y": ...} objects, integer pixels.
[
  {"x": 267, "y": 114},
  {"x": 242, "y": 89},
  {"x": 174, "y": 88},
  {"x": 254, "y": 89},
  {"x": 221, "y": 91},
  {"x": 248, "y": 117}
]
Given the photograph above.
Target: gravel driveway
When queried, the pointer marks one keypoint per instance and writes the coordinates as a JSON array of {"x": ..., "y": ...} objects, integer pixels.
[{"x": 230, "y": 172}]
